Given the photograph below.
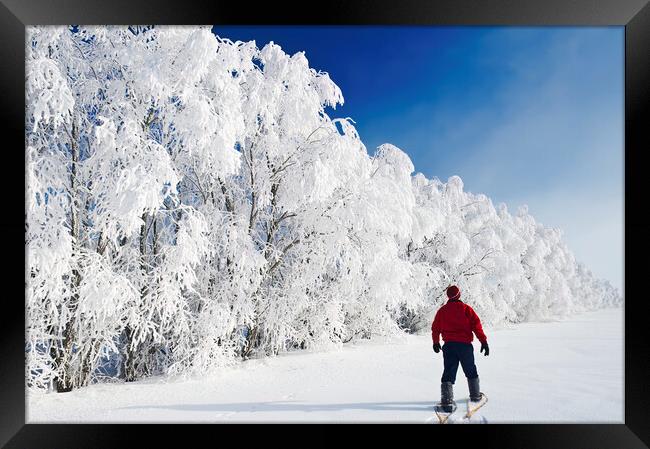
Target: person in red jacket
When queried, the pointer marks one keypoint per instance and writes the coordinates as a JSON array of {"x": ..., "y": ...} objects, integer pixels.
[{"x": 456, "y": 321}]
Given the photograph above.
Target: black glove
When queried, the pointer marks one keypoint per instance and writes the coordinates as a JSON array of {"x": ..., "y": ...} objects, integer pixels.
[
  {"x": 436, "y": 347},
  {"x": 486, "y": 348}
]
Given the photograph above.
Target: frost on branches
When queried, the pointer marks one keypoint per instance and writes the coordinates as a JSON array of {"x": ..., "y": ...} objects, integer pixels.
[{"x": 191, "y": 203}]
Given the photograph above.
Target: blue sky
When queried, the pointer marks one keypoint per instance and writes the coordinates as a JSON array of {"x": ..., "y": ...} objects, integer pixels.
[{"x": 525, "y": 115}]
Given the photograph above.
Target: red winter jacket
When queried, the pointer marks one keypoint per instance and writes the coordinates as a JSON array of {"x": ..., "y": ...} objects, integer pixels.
[{"x": 456, "y": 321}]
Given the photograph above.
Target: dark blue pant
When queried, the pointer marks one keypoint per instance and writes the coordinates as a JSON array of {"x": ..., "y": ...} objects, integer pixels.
[{"x": 454, "y": 352}]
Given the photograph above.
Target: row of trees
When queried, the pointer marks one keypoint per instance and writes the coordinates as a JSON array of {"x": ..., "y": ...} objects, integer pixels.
[{"x": 190, "y": 202}]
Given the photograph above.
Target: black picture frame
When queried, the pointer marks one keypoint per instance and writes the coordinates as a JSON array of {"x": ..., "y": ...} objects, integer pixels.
[{"x": 15, "y": 15}]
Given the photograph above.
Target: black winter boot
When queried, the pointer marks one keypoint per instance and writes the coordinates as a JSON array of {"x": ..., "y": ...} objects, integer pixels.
[
  {"x": 447, "y": 396},
  {"x": 474, "y": 391}
]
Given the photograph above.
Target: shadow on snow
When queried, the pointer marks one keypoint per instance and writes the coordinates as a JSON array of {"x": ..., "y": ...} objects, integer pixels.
[{"x": 290, "y": 406}]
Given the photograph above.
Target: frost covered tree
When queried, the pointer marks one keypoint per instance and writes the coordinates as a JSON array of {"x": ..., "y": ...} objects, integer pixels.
[{"x": 511, "y": 268}]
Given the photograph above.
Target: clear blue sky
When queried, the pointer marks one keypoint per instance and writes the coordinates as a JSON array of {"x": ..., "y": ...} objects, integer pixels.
[{"x": 525, "y": 115}]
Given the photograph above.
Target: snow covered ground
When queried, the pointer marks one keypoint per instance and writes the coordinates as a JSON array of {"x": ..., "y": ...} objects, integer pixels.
[{"x": 558, "y": 372}]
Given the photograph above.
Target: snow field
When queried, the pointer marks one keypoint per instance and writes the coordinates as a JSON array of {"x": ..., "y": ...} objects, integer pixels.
[{"x": 568, "y": 371}]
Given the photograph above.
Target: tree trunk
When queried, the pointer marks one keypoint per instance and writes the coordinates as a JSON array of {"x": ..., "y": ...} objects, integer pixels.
[
  {"x": 65, "y": 383},
  {"x": 230, "y": 208},
  {"x": 130, "y": 373},
  {"x": 251, "y": 341},
  {"x": 87, "y": 364},
  {"x": 251, "y": 219},
  {"x": 129, "y": 360},
  {"x": 155, "y": 240}
]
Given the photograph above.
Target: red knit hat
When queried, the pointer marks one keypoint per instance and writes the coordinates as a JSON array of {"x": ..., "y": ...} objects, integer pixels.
[{"x": 453, "y": 292}]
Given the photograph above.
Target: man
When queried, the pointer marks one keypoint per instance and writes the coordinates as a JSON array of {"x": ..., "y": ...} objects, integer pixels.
[{"x": 456, "y": 321}]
